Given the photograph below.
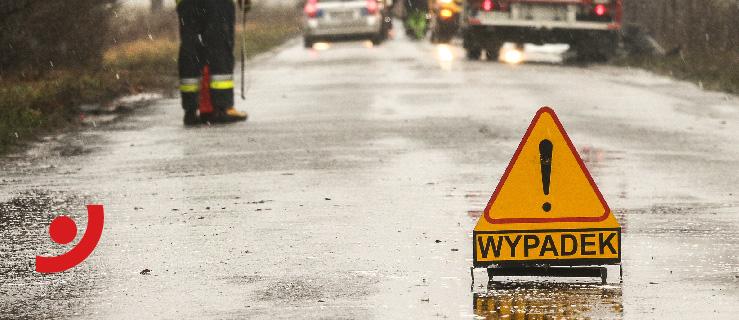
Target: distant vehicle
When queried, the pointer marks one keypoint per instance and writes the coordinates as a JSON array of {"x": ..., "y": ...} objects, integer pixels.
[
  {"x": 327, "y": 20},
  {"x": 591, "y": 27},
  {"x": 444, "y": 19}
]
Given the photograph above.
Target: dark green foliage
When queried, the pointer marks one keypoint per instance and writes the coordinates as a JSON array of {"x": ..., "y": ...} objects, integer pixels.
[
  {"x": 40, "y": 35},
  {"x": 700, "y": 36},
  {"x": 696, "y": 25}
]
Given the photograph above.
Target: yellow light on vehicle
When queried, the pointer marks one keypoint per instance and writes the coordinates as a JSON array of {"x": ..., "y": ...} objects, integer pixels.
[
  {"x": 512, "y": 56},
  {"x": 446, "y": 13}
]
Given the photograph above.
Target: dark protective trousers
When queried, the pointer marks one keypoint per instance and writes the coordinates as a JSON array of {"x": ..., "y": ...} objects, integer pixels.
[{"x": 206, "y": 37}]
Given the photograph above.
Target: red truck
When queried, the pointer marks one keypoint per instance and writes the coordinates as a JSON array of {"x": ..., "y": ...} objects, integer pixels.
[{"x": 592, "y": 28}]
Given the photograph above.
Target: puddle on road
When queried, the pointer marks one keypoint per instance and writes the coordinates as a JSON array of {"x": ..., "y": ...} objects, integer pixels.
[
  {"x": 24, "y": 225},
  {"x": 595, "y": 156},
  {"x": 536, "y": 300},
  {"x": 337, "y": 287}
]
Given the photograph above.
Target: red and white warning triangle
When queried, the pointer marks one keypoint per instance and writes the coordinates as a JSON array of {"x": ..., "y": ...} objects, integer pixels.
[{"x": 546, "y": 185}]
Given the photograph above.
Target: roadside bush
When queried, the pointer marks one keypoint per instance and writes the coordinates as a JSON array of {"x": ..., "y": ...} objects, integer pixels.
[
  {"x": 700, "y": 37},
  {"x": 135, "y": 24},
  {"x": 696, "y": 25},
  {"x": 40, "y": 35}
]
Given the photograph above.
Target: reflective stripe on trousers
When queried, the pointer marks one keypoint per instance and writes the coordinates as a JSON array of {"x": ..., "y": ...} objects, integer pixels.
[
  {"x": 190, "y": 85},
  {"x": 222, "y": 81}
]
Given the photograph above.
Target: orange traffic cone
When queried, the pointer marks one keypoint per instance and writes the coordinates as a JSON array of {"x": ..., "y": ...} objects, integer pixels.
[{"x": 205, "y": 106}]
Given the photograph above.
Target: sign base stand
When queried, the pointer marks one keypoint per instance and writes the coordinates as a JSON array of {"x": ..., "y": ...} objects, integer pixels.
[{"x": 583, "y": 272}]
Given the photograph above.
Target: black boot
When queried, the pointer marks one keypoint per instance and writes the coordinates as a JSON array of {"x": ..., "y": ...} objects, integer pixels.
[{"x": 191, "y": 118}]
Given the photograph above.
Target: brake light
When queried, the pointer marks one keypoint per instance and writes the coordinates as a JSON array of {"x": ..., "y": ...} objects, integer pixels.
[
  {"x": 372, "y": 6},
  {"x": 487, "y": 5},
  {"x": 600, "y": 10},
  {"x": 493, "y": 5},
  {"x": 445, "y": 13},
  {"x": 311, "y": 8}
]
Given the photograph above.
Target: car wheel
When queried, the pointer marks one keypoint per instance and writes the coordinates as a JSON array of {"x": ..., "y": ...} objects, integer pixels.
[
  {"x": 493, "y": 51},
  {"x": 308, "y": 42},
  {"x": 595, "y": 49},
  {"x": 473, "y": 53},
  {"x": 376, "y": 40}
]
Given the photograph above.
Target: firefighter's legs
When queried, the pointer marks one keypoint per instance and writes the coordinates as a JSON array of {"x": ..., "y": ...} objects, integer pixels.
[
  {"x": 190, "y": 60},
  {"x": 207, "y": 37},
  {"x": 218, "y": 38}
]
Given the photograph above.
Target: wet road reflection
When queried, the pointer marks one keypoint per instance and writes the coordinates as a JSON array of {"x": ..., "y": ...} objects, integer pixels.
[
  {"x": 548, "y": 301},
  {"x": 549, "y": 53},
  {"x": 445, "y": 56}
]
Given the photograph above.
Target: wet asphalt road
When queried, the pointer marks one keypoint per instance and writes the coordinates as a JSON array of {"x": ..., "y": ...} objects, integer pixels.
[{"x": 352, "y": 192}]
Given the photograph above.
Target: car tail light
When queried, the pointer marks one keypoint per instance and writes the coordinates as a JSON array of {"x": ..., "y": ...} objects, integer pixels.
[
  {"x": 311, "y": 8},
  {"x": 372, "y": 6},
  {"x": 445, "y": 13},
  {"x": 600, "y": 10},
  {"x": 487, "y": 5},
  {"x": 493, "y": 5}
]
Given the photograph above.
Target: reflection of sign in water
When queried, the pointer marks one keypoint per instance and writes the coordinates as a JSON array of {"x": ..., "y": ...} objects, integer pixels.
[
  {"x": 549, "y": 300},
  {"x": 546, "y": 208}
]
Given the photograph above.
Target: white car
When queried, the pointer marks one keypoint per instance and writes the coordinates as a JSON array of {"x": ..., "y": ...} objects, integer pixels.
[{"x": 327, "y": 20}]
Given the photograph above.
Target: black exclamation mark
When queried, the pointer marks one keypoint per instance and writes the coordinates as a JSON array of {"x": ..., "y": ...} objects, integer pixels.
[{"x": 545, "y": 159}]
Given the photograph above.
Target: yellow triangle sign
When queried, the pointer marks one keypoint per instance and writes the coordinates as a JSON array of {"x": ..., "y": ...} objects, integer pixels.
[{"x": 546, "y": 207}]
